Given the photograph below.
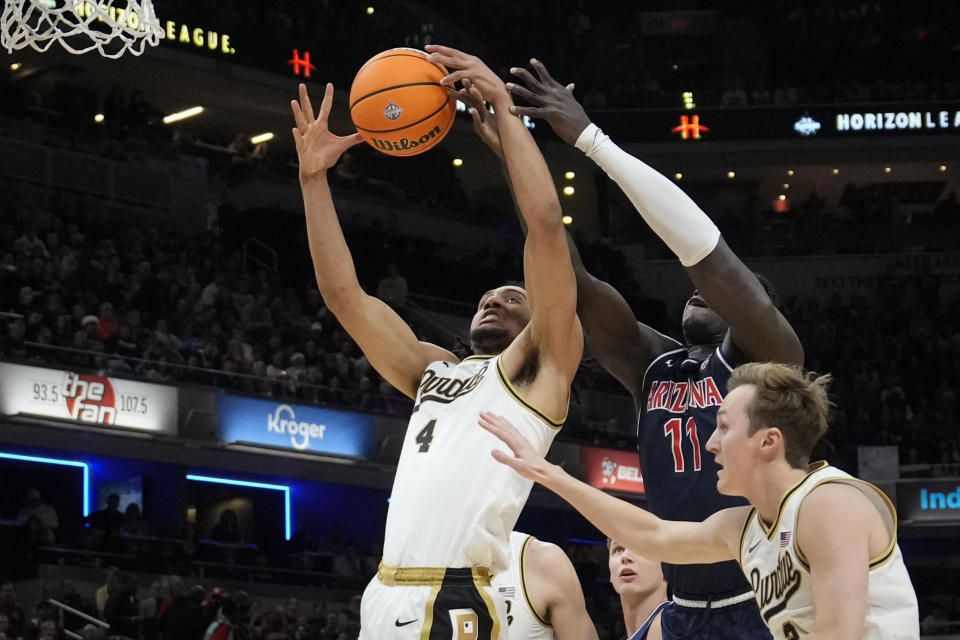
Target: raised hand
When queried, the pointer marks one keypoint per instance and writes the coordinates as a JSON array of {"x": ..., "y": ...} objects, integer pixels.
[
  {"x": 491, "y": 87},
  {"x": 317, "y": 148},
  {"x": 549, "y": 100},
  {"x": 484, "y": 122},
  {"x": 526, "y": 460}
]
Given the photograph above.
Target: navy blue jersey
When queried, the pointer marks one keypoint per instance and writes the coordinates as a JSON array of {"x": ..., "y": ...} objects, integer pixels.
[{"x": 677, "y": 418}]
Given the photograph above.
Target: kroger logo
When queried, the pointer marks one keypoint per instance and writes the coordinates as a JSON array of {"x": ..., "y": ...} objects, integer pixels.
[{"x": 284, "y": 420}]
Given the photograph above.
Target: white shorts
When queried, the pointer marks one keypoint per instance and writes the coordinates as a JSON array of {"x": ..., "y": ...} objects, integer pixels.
[{"x": 458, "y": 608}]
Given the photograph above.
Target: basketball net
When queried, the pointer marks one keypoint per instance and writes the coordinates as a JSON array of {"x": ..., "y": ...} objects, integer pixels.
[{"x": 80, "y": 25}]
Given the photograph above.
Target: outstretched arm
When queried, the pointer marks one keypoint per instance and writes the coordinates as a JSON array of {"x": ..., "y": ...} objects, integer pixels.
[
  {"x": 386, "y": 340},
  {"x": 713, "y": 540},
  {"x": 554, "y": 328},
  {"x": 622, "y": 346},
  {"x": 757, "y": 329}
]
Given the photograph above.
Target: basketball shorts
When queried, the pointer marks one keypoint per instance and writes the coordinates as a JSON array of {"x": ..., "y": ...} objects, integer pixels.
[
  {"x": 431, "y": 604},
  {"x": 740, "y": 621}
]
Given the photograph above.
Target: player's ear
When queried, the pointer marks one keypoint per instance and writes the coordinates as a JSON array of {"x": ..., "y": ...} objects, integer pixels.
[{"x": 771, "y": 443}]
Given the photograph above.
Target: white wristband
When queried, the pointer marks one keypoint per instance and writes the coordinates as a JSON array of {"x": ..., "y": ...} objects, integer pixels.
[{"x": 667, "y": 210}]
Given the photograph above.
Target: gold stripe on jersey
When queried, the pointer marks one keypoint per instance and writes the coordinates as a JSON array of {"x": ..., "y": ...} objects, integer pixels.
[
  {"x": 428, "y": 617},
  {"x": 882, "y": 558},
  {"x": 772, "y": 529},
  {"x": 492, "y": 610},
  {"x": 478, "y": 357},
  {"x": 553, "y": 424},
  {"x": 743, "y": 532},
  {"x": 523, "y": 583},
  {"x": 426, "y": 576}
]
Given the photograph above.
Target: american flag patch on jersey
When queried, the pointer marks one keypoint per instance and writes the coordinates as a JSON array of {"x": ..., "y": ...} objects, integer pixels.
[
  {"x": 784, "y": 539},
  {"x": 507, "y": 592}
]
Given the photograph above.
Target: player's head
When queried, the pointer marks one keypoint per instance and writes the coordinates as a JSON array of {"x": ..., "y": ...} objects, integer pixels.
[
  {"x": 501, "y": 315},
  {"x": 702, "y": 325},
  {"x": 772, "y": 411},
  {"x": 632, "y": 575}
]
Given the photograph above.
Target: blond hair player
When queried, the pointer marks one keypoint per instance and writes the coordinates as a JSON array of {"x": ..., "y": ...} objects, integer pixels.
[{"x": 817, "y": 545}]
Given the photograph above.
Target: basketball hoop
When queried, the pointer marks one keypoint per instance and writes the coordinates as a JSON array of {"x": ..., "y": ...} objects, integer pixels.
[{"x": 80, "y": 25}]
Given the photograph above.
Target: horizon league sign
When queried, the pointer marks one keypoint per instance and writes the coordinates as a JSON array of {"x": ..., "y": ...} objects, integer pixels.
[
  {"x": 82, "y": 397},
  {"x": 929, "y": 500},
  {"x": 294, "y": 426},
  {"x": 920, "y": 121}
]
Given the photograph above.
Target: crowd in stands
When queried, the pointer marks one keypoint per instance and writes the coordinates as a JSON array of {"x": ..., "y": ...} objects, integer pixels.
[{"x": 170, "y": 609}]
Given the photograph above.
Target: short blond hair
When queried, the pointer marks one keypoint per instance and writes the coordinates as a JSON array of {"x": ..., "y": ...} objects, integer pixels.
[{"x": 788, "y": 398}]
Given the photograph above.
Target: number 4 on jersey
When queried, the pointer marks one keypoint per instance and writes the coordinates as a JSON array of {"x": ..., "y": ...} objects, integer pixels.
[
  {"x": 674, "y": 429},
  {"x": 425, "y": 437}
]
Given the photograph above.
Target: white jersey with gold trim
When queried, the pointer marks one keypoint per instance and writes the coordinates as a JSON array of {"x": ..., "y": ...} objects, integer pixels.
[
  {"x": 780, "y": 575},
  {"x": 453, "y": 504},
  {"x": 523, "y": 620}
]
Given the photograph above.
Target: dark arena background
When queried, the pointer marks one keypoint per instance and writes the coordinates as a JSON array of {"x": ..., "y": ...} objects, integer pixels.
[{"x": 163, "y": 338}]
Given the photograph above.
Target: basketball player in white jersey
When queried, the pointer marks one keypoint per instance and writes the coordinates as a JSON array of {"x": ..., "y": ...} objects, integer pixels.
[
  {"x": 542, "y": 593},
  {"x": 452, "y": 507},
  {"x": 643, "y": 591},
  {"x": 818, "y": 546}
]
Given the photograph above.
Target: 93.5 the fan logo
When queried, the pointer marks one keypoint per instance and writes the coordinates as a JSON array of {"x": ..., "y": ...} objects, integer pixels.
[{"x": 92, "y": 398}]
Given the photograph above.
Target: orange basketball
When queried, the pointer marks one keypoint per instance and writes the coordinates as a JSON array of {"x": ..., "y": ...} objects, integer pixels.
[{"x": 398, "y": 104}]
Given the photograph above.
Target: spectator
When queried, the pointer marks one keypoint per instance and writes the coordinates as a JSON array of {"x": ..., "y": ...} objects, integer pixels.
[
  {"x": 133, "y": 522},
  {"x": 13, "y": 610},
  {"x": 228, "y": 528},
  {"x": 122, "y": 611},
  {"x": 35, "y": 506},
  {"x": 227, "y": 620},
  {"x": 5, "y": 627},
  {"x": 109, "y": 519},
  {"x": 102, "y": 593}
]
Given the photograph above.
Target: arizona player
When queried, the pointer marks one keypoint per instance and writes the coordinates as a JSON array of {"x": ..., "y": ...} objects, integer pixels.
[
  {"x": 677, "y": 388},
  {"x": 542, "y": 593},
  {"x": 452, "y": 508}
]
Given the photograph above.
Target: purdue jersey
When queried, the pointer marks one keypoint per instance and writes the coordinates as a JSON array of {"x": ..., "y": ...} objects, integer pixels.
[
  {"x": 780, "y": 575},
  {"x": 453, "y": 504},
  {"x": 511, "y": 585}
]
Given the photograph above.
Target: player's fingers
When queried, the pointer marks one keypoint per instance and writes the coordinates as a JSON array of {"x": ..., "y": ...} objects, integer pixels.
[
  {"x": 441, "y": 49},
  {"x": 454, "y": 77},
  {"x": 522, "y": 92},
  {"x": 298, "y": 116},
  {"x": 305, "y": 105},
  {"x": 327, "y": 103},
  {"x": 297, "y": 137},
  {"x": 571, "y": 86},
  {"x": 525, "y": 76},
  {"x": 532, "y": 112},
  {"x": 541, "y": 71}
]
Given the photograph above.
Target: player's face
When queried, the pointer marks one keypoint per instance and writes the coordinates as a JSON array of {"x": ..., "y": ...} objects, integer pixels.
[
  {"x": 731, "y": 442},
  {"x": 632, "y": 574},
  {"x": 700, "y": 323},
  {"x": 501, "y": 316}
]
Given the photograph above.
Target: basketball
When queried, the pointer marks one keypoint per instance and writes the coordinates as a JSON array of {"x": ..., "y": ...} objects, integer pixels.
[{"x": 398, "y": 104}]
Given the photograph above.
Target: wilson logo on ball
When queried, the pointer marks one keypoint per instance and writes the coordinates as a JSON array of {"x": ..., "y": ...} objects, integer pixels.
[
  {"x": 405, "y": 144},
  {"x": 393, "y": 111}
]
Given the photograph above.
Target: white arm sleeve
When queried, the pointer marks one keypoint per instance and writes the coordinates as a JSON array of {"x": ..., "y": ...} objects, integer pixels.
[{"x": 672, "y": 215}]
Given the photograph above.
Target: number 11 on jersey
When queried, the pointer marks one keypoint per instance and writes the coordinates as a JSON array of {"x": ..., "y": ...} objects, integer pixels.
[{"x": 674, "y": 429}]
